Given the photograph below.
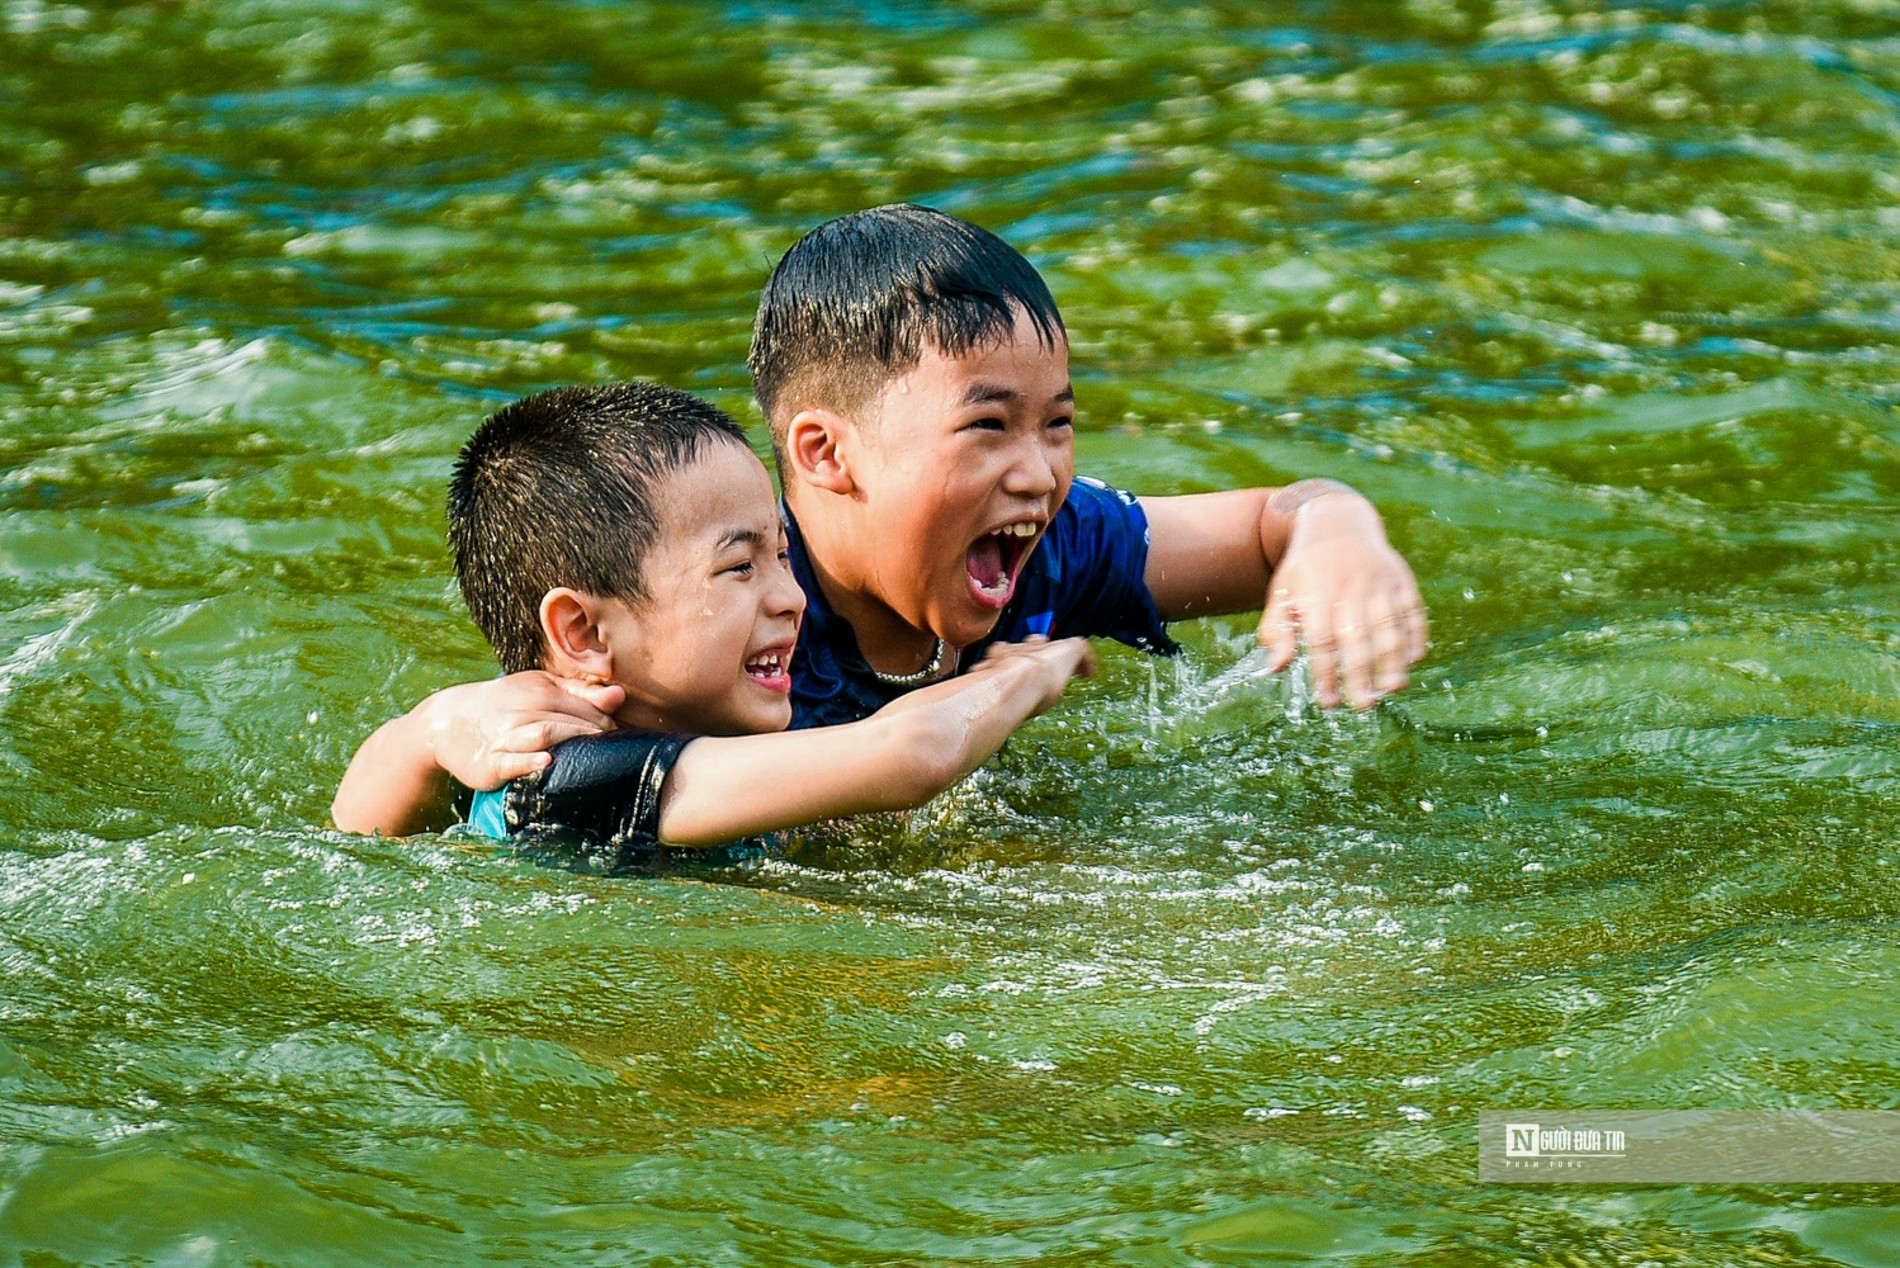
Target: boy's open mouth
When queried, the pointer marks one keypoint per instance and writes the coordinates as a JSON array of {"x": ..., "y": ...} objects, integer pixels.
[
  {"x": 771, "y": 667},
  {"x": 996, "y": 558}
]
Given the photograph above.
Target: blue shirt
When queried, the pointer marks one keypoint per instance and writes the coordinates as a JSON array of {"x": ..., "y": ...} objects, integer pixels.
[{"x": 1085, "y": 578}]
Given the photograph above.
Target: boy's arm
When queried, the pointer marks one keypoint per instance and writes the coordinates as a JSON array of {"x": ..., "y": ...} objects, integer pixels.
[
  {"x": 722, "y": 789},
  {"x": 482, "y": 733},
  {"x": 1334, "y": 579}
]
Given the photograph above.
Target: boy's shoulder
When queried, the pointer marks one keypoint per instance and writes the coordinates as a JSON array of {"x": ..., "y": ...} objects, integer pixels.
[
  {"x": 1097, "y": 526},
  {"x": 1088, "y": 575},
  {"x": 1093, "y": 490},
  {"x": 601, "y": 790},
  {"x": 596, "y": 808},
  {"x": 590, "y": 765}
]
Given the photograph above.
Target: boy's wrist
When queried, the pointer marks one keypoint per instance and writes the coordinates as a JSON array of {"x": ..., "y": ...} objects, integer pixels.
[
  {"x": 1295, "y": 497},
  {"x": 1290, "y": 510},
  {"x": 1329, "y": 506},
  {"x": 1046, "y": 676},
  {"x": 429, "y": 725}
]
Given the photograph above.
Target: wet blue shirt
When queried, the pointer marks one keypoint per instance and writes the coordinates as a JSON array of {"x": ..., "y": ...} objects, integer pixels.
[{"x": 1085, "y": 578}]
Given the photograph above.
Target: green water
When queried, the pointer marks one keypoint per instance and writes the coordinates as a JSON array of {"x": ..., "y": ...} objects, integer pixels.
[{"x": 1599, "y": 303}]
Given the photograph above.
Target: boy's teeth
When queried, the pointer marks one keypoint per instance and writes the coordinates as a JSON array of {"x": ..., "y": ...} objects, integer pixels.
[{"x": 1018, "y": 530}]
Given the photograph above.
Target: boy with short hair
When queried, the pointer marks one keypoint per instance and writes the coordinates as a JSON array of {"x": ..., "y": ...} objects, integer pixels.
[
  {"x": 914, "y": 370},
  {"x": 627, "y": 535}
]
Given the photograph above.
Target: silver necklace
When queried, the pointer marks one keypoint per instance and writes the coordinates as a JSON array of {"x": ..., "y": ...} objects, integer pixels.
[{"x": 912, "y": 679}]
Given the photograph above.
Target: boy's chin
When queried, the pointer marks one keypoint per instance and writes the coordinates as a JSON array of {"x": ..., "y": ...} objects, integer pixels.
[
  {"x": 753, "y": 718},
  {"x": 966, "y": 622},
  {"x": 775, "y": 717}
]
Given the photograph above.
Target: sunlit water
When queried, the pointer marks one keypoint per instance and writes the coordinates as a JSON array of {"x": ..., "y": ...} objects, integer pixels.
[{"x": 1600, "y": 303}]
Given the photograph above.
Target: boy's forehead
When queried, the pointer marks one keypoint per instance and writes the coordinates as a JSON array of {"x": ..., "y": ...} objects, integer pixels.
[
  {"x": 721, "y": 497},
  {"x": 1019, "y": 365},
  {"x": 988, "y": 390}
]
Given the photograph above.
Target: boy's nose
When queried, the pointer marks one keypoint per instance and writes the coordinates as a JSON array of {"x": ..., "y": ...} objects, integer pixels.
[
  {"x": 787, "y": 596},
  {"x": 1033, "y": 473}
]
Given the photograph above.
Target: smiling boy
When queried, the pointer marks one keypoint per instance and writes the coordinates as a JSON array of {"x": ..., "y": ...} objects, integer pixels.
[{"x": 914, "y": 370}]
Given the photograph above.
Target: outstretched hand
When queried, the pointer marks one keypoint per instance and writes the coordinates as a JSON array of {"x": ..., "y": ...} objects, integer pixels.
[
  {"x": 1343, "y": 590},
  {"x": 487, "y": 733}
]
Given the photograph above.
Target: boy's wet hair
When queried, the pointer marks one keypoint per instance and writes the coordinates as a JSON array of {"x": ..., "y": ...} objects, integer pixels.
[
  {"x": 558, "y": 489},
  {"x": 854, "y": 303}
]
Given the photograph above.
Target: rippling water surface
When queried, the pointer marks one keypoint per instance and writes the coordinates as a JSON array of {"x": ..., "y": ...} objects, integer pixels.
[{"x": 1599, "y": 302}]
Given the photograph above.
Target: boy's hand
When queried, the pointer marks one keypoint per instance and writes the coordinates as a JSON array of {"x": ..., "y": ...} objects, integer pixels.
[
  {"x": 1048, "y": 666},
  {"x": 487, "y": 733},
  {"x": 1342, "y": 586}
]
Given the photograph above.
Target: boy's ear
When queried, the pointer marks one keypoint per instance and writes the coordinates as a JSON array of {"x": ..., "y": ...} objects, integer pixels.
[
  {"x": 570, "y": 627},
  {"x": 814, "y": 441}
]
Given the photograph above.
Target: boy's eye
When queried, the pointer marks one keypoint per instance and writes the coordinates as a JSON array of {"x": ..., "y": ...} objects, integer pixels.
[
  {"x": 989, "y": 424},
  {"x": 1067, "y": 420},
  {"x": 743, "y": 569}
]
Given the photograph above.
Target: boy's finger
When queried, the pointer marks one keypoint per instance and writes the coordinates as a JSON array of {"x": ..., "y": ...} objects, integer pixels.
[
  {"x": 1420, "y": 626},
  {"x": 514, "y": 765},
  {"x": 529, "y": 689},
  {"x": 1355, "y": 655},
  {"x": 604, "y": 697},
  {"x": 542, "y": 735},
  {"x": 1322, "y": 650},
  {"x": 1390, "y": 637},
  {"x": 1277, "y": 632},
  {"x": 576, "y": 708},
  {"x": 1085, "y": 661}
]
